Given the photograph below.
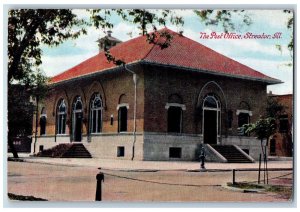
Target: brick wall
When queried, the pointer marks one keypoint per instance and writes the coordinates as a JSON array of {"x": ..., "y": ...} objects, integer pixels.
[
  {"x": 110, "y": 86},
  {"x": 161, "y": 82}
]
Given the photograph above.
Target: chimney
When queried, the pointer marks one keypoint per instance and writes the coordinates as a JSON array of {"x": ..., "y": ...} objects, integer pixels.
[{"x": 107, "y": 41}]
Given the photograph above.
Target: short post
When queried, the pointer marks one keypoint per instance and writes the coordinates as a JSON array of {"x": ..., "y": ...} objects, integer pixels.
[
  {"x": 100, "y": 178},
  {"x": 258, "y": 181},
  {"x": 233, "y": 176},
  {"x": 202, "y": 158}
]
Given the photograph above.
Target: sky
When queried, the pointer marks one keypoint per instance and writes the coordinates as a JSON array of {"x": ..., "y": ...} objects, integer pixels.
[{"x": 259, "y": 54}]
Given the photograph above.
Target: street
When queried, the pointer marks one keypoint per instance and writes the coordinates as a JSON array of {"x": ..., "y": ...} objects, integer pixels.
[{"x": 78, "y": 183}]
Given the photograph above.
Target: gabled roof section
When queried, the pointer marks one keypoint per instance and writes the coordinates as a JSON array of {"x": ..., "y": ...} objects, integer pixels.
[{"x": 183, "y": 53}]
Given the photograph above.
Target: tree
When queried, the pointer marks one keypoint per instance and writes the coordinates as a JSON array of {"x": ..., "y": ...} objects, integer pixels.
[
  {"x": 274, "y": 108},
  {"x": 264, "y": 128},
  {"x": 21, "y": 108},
  {"x": 20, "y": 113},
  {"x": 27, "y": 30}
]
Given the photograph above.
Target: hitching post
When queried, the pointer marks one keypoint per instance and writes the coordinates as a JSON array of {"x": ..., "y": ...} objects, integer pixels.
[
  {"x": 233, "y": 176},
  {"x": 100, "y": 178}
]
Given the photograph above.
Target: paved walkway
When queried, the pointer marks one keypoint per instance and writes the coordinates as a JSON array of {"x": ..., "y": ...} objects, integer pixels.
[{"x": 150, "y": 165}]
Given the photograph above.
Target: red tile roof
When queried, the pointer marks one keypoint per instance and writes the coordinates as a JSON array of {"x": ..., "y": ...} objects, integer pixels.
[{"x": 183, "y": 52}]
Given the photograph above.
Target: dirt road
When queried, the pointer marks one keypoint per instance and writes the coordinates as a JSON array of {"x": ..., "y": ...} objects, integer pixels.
[{"x": 65, "y": 183}]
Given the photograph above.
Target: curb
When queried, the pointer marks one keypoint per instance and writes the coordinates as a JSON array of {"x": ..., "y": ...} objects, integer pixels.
[{"x": 243, "y": 190}]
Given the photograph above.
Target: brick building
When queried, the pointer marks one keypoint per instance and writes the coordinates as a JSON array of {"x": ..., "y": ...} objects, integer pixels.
[
  {"x": 281, "y": 142},
  {"x": 162, "y": 105}
]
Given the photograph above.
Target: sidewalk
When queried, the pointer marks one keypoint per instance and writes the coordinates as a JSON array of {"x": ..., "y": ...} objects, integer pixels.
[{"x": 150, "y": 165}]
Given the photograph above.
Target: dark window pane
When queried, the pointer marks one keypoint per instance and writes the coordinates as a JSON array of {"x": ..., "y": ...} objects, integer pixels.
[
  {"x": 43, "y": 125},
  {"x": 99, "y": 121},
  {"x": 122, "y": 119},
  {"x": 174, "y": 119},
  {"x": 210, "y": 102},
  {"x": 63, "y": 124},
  {"x": 243, "y": 118},
  {"x": 120, "y": 151},
  {"x": 175, "y": 152},
  {"x": 97, "y": 103},
  {"x": 94, "y": 121},
  {"x": 283, "y": 123},
  {"x": 272, "y": 146}
]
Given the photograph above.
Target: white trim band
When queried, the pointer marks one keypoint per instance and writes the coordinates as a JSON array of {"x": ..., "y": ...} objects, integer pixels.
[
  {"x": 244, "y": 111},
  {"x": 123, "y": 105},
  {"x": 168, "y": 105}
]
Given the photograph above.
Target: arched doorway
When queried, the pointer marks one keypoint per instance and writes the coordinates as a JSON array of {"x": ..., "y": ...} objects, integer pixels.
[
  {"x": 77, "y": 119},
  {"x": 211, "y": 119}
]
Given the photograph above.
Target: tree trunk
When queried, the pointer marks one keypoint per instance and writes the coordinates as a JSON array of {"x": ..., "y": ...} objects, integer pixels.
[{"x": 266, "y": 155}]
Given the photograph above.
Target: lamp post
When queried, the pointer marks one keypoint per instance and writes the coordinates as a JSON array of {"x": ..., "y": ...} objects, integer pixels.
[{"x": 134, "y": 77}]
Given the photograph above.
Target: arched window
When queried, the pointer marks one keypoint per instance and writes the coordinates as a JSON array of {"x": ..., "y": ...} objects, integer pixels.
[
  {"x": 61, "y": 117},
  {"x": 96, "y": 109},
  {"x": 43, "y": 121}
]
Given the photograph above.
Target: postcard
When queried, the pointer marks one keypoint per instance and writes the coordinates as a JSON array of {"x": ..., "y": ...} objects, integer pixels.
[{"x": 150, "y": 105}]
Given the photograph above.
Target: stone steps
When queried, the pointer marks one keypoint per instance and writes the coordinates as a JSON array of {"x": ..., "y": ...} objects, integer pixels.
[
  {"x": 69, "y": 150},
  {"x": 231, "y": 153},
  {"x": 77, "y": 151}
]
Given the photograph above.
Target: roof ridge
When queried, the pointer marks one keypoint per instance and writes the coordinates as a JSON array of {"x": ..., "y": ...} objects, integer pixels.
[{"x": 166, "y": 29}]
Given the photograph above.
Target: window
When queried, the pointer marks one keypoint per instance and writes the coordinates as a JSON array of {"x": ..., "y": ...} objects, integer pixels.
[
  {"x": 175, "y": 109},
  {"x": 244, "y": 114},
  {"x": 122, "y": 127},
  {"x": 96, "y": 109},
  {"x": 120, "y": 151},
  {"x": 175, "y": 152},
  {"x": 174, "y": 119},
  {"x": 272, "y": 146},
  {"x": 283, "y": 123},
  {"x": 77, "y": 119},
  {"x": 243, "y": 118},
  {"x": 61, "y": 117},
  {"x": 43, "y": 121}
]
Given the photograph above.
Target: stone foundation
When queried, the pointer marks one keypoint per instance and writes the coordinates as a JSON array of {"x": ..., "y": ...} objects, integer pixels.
[{"x": 147, "y": 146}]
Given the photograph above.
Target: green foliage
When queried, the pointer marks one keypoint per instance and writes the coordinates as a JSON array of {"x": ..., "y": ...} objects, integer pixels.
[
  {"x": 223, "y": 18},
  {"x": 29, "y": 28},
  {"x": 263, "y": 128},
  {"x": 20, "y": 112},
  {"x": 274, "y": 108}
]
